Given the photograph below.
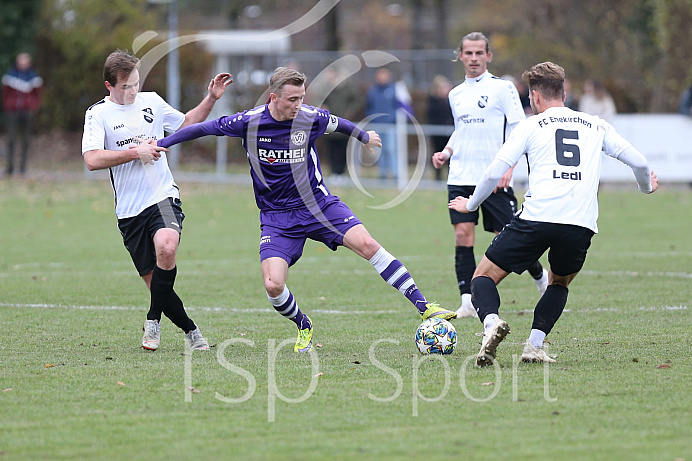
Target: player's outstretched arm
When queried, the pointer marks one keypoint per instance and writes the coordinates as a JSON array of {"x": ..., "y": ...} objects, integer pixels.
[
  {"x": 646, "y": 179},
  {"x": 197, "y": 130},
  {"x": 99, "y": 159},
  {"x": 216, "y": 88},
  {"x": 487, "y": 184}
]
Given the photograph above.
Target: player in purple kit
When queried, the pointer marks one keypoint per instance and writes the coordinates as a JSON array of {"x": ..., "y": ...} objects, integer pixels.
[{"x": 294, "y": 203}]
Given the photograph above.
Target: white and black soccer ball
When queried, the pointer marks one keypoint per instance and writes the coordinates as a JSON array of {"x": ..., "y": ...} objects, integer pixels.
[{"x": 436, "y": 336}]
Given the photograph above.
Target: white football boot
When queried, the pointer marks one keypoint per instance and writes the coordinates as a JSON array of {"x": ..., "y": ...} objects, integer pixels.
[
  {"x": 534, "y": 355},
  {"x": 195, "y": 340},
  {"x": 491, "y": 339},
  {"x": 152, "y": 335}
]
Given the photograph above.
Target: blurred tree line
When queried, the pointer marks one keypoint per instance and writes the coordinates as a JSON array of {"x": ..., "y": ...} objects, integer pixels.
[{"x": 641, "y": 49}]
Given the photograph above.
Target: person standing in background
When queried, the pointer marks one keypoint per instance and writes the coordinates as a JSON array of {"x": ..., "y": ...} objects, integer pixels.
[
  {"x": 21, "y": 99},
  {"x": 597, "y": 101},
  {"x": 439, "y": 113},
  {"x": 685, "y": 104},
  {"x": 382, "y": 104},
  {"x": 343, "y": 99}
]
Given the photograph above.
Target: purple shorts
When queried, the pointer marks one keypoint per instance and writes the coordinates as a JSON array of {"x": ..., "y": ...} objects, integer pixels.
[{"x": 284, "y": 232}]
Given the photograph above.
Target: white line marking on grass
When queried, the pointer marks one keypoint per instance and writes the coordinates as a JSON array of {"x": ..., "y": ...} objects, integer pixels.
[
  {"x": 205, "y": 309},
  {"x": 317, "y": 311},
  {"x": 639, "y": 274}
]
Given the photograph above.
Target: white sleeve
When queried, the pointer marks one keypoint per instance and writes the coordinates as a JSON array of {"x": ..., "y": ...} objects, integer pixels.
[
  {"x": 640, "y": 166},
  {"x": 509, "y": 128},
  {"x": 94, "y": 135},
  {"x": 487, "y": 183},
  {"x": 452, "y": 140},
  {"x": 173, "y": 119},
  {"x": 514, "y": 111}
]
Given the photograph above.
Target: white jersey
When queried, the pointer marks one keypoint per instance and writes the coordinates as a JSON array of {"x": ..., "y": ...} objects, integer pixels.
[
  {"x": 482, "y": 107},
  {"x": 563, "y": 149},
  {"x": 112, "y": 126}
]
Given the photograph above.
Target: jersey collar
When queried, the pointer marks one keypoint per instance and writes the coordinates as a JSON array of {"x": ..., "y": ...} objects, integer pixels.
[{"x": 480, "y": 78}]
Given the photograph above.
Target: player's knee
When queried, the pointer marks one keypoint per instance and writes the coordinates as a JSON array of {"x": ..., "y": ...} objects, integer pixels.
[
  {"x": 274, "y": 288},
  {"x": 167, "y": 251},
  {"x": 370, "y": 247},
  {"x": 464, "y": 237}
]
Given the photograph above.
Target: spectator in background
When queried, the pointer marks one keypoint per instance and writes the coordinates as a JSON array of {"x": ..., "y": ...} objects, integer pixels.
[
  {"x": 341, "y": 98},
  {"x": 382, "y": 103},
  {"x": 570, "y": 101},
  {"x": 21, "y": 98},
  {"x": 597, "y": 101},
  {"x": 439, "y": 113},
  {"x": 685, "y": 105}
]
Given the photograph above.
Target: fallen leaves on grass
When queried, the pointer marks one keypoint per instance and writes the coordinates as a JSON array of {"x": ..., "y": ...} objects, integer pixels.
[
  {"x": 663, "y": 365},
  {"x": 49, "y": 365}
]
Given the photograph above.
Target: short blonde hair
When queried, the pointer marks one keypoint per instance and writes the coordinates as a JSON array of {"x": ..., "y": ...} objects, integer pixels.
[
  {"x": 547, "y": 78},
  {"x": 285, "y": 76}
]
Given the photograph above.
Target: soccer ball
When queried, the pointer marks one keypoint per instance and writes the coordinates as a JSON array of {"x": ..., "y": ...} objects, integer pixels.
[{"x": 436, "y": 336}]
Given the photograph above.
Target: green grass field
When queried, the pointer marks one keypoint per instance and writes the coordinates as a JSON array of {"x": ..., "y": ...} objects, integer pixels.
[{"x": 76, "y": 385}]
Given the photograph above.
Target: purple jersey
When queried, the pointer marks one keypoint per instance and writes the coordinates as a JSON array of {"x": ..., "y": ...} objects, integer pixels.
[{"x": 285, "y": 168}]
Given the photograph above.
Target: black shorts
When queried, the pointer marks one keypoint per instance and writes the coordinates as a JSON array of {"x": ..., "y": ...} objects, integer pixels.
[
  {"x": 498, "y": 209},
  {"x": 522, "y": 242},
  {"x": 138, "y": 231}
]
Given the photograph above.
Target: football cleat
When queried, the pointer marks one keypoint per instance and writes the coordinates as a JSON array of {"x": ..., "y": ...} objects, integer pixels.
[
  {"x": 534, "y": 355},
  {"x": 195, "y": 340},
  {"x": 304, "y": 342},
  {"x": 466, "y": 309},
  {"x": 433, "y": 310},
  {"x": 152, "y": 335},
  {"x": 542, "y": 283},
  {"x": 491, "y": 339}
]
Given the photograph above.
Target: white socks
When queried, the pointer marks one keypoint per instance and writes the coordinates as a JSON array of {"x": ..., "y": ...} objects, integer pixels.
[
  {"x": 536, "y": 338},
  {"x": 490, "y": 321}
]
